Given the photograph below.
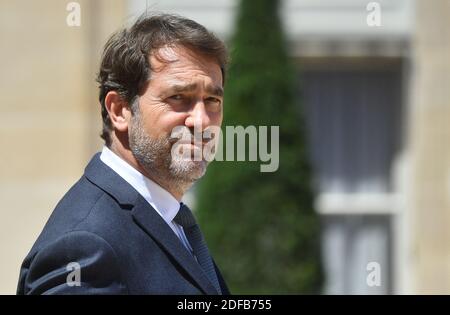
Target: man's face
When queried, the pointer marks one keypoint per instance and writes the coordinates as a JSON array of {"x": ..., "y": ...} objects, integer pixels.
[{"x": 185, "y": 90}]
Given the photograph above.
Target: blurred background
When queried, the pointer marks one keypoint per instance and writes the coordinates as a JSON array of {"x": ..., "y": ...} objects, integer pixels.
[{"x": 375, "y": 99}]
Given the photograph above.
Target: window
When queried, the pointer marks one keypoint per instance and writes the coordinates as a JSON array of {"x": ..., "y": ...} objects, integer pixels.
[{"x": 353, "y": 116}]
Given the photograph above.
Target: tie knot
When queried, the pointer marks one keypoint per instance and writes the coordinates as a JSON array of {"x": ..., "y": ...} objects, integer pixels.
[{"x": 184, "y": 217}]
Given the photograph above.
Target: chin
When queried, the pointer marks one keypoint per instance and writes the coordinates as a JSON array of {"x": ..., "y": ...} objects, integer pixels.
[{"x": 189, "y": 170}]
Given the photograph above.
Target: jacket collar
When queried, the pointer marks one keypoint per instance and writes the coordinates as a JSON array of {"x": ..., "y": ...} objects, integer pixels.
[
  {"x": 109, "y": 181},
  {"x": 146, "y": 218}
]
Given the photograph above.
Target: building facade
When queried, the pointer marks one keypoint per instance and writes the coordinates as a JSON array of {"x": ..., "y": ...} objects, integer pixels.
[{"x": 374, "y": 77}]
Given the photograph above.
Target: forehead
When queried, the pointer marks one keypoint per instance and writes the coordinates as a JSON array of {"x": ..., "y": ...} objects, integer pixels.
[{"x": 183, "y": 65}]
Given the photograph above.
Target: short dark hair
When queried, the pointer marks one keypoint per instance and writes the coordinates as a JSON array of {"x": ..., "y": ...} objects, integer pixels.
[{"x": 125, "y": 67}]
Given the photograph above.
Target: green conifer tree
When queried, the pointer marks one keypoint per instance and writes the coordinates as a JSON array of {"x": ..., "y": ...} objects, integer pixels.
[{"x": 261, "y": 227}]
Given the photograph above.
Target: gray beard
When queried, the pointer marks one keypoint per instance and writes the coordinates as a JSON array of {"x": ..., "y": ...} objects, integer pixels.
[{"x": 154, "y": 155}]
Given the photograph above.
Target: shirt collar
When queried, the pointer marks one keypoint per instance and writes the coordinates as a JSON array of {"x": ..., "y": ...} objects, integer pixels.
[{"x": 160, "y": 199}]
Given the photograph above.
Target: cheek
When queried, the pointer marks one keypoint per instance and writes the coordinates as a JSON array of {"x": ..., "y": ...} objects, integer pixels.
[
  {"x": 216, "y": 119},
  {"x": 166, "y": 122},
  {"x": 158, "y": 119}
]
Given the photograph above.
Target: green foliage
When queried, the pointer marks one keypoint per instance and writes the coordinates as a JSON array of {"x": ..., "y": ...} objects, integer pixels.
[{"x": 261, "y": 227}]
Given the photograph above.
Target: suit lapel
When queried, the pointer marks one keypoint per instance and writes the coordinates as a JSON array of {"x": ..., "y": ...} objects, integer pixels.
[{"x": 146, "y": 218}]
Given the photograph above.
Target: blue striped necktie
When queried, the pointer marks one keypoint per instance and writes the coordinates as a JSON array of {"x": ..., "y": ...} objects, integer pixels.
[{"x": 186, "y": 219}]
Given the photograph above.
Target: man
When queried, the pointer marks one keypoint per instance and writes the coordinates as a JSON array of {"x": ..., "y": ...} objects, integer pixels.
[{"x": 121, "y": 229}]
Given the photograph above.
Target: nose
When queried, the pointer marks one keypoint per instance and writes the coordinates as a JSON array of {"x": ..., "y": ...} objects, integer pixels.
[{"x": 198, "y": 117}]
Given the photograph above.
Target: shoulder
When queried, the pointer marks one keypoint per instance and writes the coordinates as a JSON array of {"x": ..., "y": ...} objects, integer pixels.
[
  {"x": 83, "y": 229},
  {"x": 84, "y": 207},
  {"x": 75, "y": 262}
]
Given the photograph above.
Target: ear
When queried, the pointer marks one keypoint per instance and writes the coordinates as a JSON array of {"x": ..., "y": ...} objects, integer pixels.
[{"x": 118, "y": 110}]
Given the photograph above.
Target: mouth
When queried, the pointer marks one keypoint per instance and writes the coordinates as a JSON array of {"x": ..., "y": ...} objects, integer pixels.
[
  {"x": 196, "y": 143},
  {"x": 195, "y": 139},
  {"x": 193, "y": 142}
]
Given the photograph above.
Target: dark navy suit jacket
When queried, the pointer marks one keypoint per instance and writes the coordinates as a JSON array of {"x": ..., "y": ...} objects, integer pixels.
[{"x": 121, "y": 243}]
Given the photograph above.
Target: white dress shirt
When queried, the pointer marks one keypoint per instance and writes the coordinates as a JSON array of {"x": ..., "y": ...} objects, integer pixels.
[{"x": 160, "y": 199}]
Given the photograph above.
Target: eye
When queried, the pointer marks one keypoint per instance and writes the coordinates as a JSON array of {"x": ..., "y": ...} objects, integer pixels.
[
  {"x": 213, "y": 100},
  {"x": 176, "y": 97},
  {"x": 213, "y": 103}
]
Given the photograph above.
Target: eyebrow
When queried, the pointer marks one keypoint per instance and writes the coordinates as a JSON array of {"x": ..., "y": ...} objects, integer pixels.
[{"x": 211, "y": 89}]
